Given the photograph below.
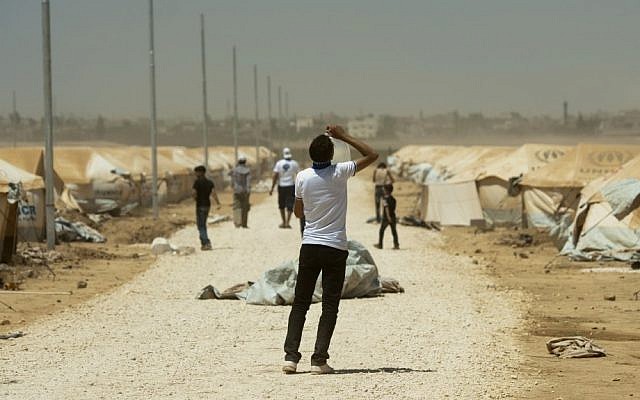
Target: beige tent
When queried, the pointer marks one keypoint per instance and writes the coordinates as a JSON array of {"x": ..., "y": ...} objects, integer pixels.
[
  {"x": 402, "y": 160},
  {"x": 192, "y": 157},
  {"x": 493, "y": 179},
  {"x": 450, "y": 196},
  {"x": 174, "y": 177},
  {"x": 91, "y": 179},
  {"x": 607, "y": 222},
  {"x": 552, "y": 192},
  {"x": 18, "y": 219}
]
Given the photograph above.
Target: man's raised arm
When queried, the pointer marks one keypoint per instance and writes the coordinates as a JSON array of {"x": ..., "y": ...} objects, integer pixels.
[{"x": 369, "y": 155}]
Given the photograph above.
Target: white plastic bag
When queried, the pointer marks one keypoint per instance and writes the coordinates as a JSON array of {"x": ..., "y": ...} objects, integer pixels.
[{"x": 341, "y": 151}]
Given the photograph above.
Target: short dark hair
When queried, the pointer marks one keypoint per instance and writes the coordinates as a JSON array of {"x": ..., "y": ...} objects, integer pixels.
[
  {"x": 388, "y": 188},
  {"x": 321, "y": 149},
  {"x": 200, "y": 168}
]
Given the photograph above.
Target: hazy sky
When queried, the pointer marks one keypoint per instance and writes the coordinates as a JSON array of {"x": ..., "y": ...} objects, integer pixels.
[{"x": 345, "y": 56}]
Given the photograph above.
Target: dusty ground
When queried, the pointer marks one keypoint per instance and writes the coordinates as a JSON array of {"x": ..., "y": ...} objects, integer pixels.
[
  {"x": 103, "y": 266},
  {"x": 563, "y": 301},
  {"x": 449, "y": 336}
]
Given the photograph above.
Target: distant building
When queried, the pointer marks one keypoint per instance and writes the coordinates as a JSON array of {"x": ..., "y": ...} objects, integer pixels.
[
  {"x": 626, "y": 123},
  {"x": 303, "y": 123},
  {"x": 364, "y": 127}
]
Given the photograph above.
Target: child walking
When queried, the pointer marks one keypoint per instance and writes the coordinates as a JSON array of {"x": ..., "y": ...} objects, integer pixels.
[{"x": 388, "y": 217}]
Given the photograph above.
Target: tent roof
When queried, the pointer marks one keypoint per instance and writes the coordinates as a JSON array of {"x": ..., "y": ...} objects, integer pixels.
[
  {"x": 522, "y": 160},
  {"x": 82, "y": 165},
  {"x": 416, "y": 154},
  {"x": 464, "y": 164},
  {"x": 581, "y": 165},
  {"x": 137, "y": 160},
  {"x": 30, "y": 159},
  {"x": 12, "y": 174}
]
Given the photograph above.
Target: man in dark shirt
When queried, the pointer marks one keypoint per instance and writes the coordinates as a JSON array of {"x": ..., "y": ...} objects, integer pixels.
[
  {"x": 388, "y": 217},
  {"x": 203, "y": 191}
]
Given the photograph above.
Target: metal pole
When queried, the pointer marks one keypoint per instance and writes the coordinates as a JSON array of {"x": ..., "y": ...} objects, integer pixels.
[
  {"x": 205, "y": 121},
  {"x": 279, "y": 103},
  {"x": 48, "y": 126},
  {"x": 270, "y": 119},
  {"x": 286, "y": 106},
  {"x": 257, "y": 118},
  {"x": 153, "y": 126},
  {"x": 15, "y": 113},
  {"x": 235, "y": 105}
]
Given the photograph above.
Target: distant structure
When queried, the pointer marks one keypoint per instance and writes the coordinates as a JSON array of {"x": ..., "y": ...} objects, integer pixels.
[
  {"x": 565, "y": 119},
  {"x": 363, "y": 127},
  {"x": 303, "y": 123}
]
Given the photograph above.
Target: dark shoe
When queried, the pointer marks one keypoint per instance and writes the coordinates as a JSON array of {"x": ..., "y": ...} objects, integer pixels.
[
  {"x": 206, "y": 247},
  {"x": 377, "y": 246},
  {"x": 321, "y": 369},
  {"x": 396, "y": 247}
]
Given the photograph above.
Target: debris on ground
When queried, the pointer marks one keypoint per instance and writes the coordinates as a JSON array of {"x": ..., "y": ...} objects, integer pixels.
[
  {"x": 82, "y": 284},
  {"x": 161, "y": 245},
  {"x": 216, "y": 219},
  {"x": 99, "y": 219},
  {"x": 67, "y": 231},
  {"x": 410, "y": 220},
  {"x": 13, "y": 335},
  {"x": 209, "y": 292},
  {"x": 276, "y": 286},
  {"x": 521, "y": 240},
  {"x": 574, "y": 347},
  {"x": 611, "y": 297}
]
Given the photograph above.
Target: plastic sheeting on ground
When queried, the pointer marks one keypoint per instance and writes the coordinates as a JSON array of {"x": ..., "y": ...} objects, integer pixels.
[
  {"x": 277, "y": 285},
  {"x": 68, "y": 231}
]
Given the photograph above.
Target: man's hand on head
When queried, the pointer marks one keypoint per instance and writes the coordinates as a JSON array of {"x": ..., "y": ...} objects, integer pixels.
[{"x": 337, "y": 132}]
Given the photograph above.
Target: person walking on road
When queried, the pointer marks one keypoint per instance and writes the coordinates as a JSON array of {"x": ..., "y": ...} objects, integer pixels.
[
  {"x": 203, "y": 192},
  {"x": 241, "y": 181},
  {"x": 388, "y": 217},
  {"x": 284, "y": 175},
  {"x": 321, "y": 197},
  {"x": 381, "y": 177}
]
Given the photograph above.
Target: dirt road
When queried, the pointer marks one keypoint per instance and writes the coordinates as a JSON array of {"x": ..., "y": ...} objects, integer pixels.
[{"x": 448, "y": 336}]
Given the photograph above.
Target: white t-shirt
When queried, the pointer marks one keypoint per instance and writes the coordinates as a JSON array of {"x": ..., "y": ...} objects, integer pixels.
[
  {"x": 287, "y": 170},
  {"x": 324, "y": 194}
]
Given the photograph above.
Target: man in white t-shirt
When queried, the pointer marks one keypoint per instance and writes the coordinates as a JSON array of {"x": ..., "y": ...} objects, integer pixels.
[
  {"x": 321, "y": 197},
  {"x": 284, "y": 175}
]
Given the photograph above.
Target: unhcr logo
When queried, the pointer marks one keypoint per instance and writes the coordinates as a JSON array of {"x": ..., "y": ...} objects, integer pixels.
[
  {"x": 549, "y": 155},
  {"x": 611, "y": 158}
]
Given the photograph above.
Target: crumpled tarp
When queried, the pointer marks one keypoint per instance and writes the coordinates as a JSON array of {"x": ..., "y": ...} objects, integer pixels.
[
  {"x": 622, "y": 196},
  {"x": 574, "y": 347},
  {"x": 277, "y": 285},
  {"x": 68, "y": 231}
]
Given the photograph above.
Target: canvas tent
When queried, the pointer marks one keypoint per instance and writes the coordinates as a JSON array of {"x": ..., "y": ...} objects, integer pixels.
[
  {"x": 91, "y": 179},
  {"x": 451, "y": 201},
  {"x": 416, "y": 162},
  {"x": 12, "y": 198},
  {"x": 174, "y": 178},
  {"x": 552, "y": 193},
  {"x": 607, "y": 222},
  {"x": 493, "y": 179}
]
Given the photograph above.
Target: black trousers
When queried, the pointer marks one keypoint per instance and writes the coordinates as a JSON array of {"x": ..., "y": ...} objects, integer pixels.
[
  {"x": 313, "y": 260},
  {"x": 394, "y": 233}
]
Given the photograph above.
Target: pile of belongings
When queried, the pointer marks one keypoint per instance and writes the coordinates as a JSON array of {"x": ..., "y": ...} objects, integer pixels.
[
  {"x": 574, "y": 347},
  {"x": 277, "y": 286},
  {"x": 68, "y": 231}
]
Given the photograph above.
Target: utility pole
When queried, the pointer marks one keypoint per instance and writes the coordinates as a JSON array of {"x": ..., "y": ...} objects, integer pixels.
[
  {"x": 205, "y": 120},
  {"x": 153, "y": 126},
  {"x": 48, "y": 126},
  {"x": 269, "y": 144},
  {"x": 257, "y": 119},
  {"x": 15, "y": 114},
  {"x": 235, "y": 105},
  {"x": 286, "y": 106},
  {"x": 279, "y": 103}
]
